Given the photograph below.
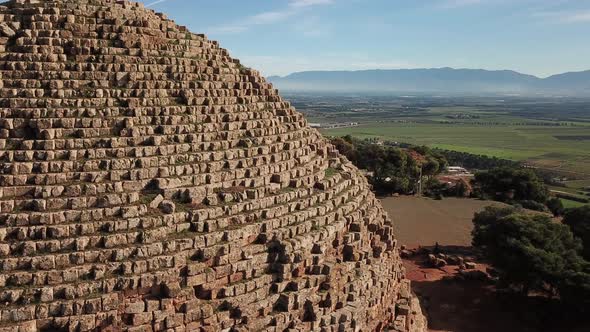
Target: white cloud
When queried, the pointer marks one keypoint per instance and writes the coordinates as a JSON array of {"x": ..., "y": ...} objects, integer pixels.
[
  {"x": 565, "y": 17},
  {"x": 452, "y": 4},
  {"x": 448, "y": 4},
  {"x": 575, "y": 17},
  {"x": 584, "y": 17},
  {"x": 312, "y": 26},
  {"x": 307, "y": 3},
  {"x": 269, "y": 17}
]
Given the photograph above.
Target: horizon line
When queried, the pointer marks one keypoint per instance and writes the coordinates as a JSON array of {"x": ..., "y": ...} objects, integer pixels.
[{"x": 425, "y": 68}]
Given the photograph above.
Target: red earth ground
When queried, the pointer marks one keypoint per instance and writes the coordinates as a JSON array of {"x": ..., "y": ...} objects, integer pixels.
[{"x": 455, "y": 305}]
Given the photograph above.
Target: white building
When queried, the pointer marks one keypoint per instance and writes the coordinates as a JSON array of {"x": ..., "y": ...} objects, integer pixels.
[{"x": 456, "y": 169}]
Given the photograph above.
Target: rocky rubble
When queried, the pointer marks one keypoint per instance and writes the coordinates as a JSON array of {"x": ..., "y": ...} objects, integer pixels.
[{"x": 149, "y": 182}]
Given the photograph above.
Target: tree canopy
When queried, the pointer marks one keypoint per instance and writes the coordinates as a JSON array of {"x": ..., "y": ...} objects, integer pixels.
[
  {"x": 394, "y": 169},
  {"x": 509, "y": 184},
  {"x": 579, "y": 221},
  {"x": 532, "y": 251},
  {"x": 555, "y": 205}
]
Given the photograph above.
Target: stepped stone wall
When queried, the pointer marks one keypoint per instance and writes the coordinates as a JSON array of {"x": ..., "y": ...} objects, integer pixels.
[{"x": 149, "y": 182}]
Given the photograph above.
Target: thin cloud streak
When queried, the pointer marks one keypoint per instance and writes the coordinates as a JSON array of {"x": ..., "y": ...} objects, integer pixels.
[
  {"x": 307, "y": 3},
  {"x": 565, "y": 17},
  {"x": 270, "y": 17},
  {"x": 448, "y": 4},
  {"x": 155, "y": 3}
]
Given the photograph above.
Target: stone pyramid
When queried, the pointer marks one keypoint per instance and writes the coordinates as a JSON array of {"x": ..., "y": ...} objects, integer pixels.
[{"x": 149, "y": 182}]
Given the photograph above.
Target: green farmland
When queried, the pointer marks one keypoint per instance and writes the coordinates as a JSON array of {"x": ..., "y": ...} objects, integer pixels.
[
  {"x": 535, "y": 144},
  {"x": 571, "y": 204},
  {"x": 550, "y": 134}
]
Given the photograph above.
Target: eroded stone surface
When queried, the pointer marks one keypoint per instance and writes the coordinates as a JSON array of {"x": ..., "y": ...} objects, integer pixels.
[{"x": 149, "y": 182}]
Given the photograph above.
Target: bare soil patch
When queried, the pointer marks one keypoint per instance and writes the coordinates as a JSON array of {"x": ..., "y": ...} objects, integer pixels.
[
  {"x": 425, "y": 221},
  {"x": 453, "y": 304}
]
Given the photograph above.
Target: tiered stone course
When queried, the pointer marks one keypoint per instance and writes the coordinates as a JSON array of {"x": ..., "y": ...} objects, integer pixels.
[{"x": 149, "y": 182}]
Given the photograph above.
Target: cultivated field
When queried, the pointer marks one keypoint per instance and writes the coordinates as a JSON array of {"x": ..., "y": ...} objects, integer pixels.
[
  {"x": 549, "y": 133},
  {"x": 542, "y": 146},
  {"x": 424, "y": 221}
]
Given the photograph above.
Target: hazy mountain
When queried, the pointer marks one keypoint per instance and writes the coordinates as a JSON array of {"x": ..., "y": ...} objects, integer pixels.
[
  {"x": 440, "y": 80},
  {"x": 576, "y": 81}
]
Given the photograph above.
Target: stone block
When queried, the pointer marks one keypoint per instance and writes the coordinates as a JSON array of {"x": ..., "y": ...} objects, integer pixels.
[{"x": 104, "y": 101}]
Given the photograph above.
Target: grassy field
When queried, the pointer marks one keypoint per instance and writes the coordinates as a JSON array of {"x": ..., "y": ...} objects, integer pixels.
[
  {"x": 550, "y": 134},
  {"x": 536, "y": 144},
  {"x": 571, "y": 204},
  {"x": 553, "y": 134},
  {"x": 574, "y": 189}
]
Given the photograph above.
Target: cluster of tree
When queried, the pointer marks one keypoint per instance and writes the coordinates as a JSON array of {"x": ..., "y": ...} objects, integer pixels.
[
  {"x": 394, "y": 169},
  {"x": 437, "y": 189},
  {"x": 579, "y": 221},
  {"x": 517, "y": 186},
  {"x": 512, "y": 184},
  {"x": 474, "y": 161},
  {"x": 534, "y": 253},
  {"x": 397, "y": 169},
  {"x": 462, "y": 116}
]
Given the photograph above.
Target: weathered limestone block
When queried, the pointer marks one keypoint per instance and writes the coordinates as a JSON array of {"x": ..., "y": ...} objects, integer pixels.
[
  {"x": 6, "y": 30},
  {"x": 171, "y": 289},
  {"x": 155, "y": 203},
  {"x": 151, "y": 183}
]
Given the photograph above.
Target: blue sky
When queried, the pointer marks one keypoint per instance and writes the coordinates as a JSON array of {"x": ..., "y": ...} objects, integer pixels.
[{"x": 277, "y": 37}]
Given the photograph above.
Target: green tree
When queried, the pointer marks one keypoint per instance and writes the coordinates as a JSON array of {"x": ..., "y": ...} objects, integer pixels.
[
  {"x": 485, "y": 219},
  {"x": 523, "y": 184},
  {"x": 394, "y": 169},
  {"x": 530, "y": 250},
  {"x": 578, "y": 220},
  {"x": 555, "y": 206},
  {"x": 574, "y": 287},
  {"x": 345, "y": 147},
  {"x": 431, "y": 167}
]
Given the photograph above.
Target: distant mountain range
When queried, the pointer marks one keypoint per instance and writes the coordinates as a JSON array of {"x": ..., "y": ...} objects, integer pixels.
[{"x": 438, "y": 80}]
